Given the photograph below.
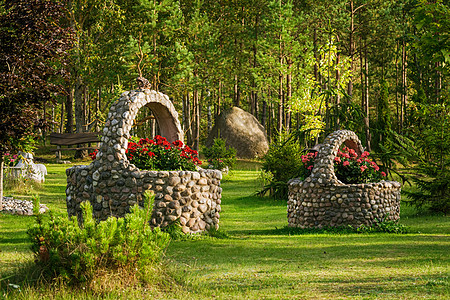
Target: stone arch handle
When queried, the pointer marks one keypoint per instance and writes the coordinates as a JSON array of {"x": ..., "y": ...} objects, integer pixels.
[
  {"x": 323, "y": 170},
  {"x": 122, "y": 113}
]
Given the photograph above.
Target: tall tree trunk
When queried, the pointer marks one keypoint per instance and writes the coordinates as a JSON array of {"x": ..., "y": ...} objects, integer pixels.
[
  {"x": 69, "y": 109},
  {"x": 351, "y": 49},
  {"x": 437, "y": 82},
  {"x": 98, "y": 104},
  {"x": 288, "y": 95},
  {"x": 79, "y": 106},
  {"x": 367, "y": 102},
  {"x": 80, "y": 112},
  {"x": 188, "y": 123},
  {"x": 197, "y": 120},
  {"x": 280, "y": 105},
  {"x": 404, "y": 83},
  {"x": 61, "y": 123},
  {"x": 237, "y": 92},
  {"x": 316, "y": 56},
  {"x": 219, "y": 100},
  {"x": 280, "y": 90},
  {"x": 338, "y": 95},
  {"x": 397, "y": 106},
  {"x": 209, "y": 119},
  {"x": 264, "y": 114}
]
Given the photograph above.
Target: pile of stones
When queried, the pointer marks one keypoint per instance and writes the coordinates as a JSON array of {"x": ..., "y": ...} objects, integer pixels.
[
  {"x": 20, "y": 207},
  {"x": 321, "y": 200}
]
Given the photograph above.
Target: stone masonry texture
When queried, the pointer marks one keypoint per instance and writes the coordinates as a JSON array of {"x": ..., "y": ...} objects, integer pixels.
[
  {"x": 112, "y": 184},
  {"x": 321, "y": 200}
]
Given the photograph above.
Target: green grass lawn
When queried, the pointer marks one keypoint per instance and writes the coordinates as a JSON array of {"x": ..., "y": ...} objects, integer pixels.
[{"x": 258, "y": 260}]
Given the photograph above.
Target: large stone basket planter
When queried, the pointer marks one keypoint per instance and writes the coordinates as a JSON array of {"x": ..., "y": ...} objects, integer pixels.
[
  {"x": 113, "y": 185},
  {"x": 321, "y": 200}
]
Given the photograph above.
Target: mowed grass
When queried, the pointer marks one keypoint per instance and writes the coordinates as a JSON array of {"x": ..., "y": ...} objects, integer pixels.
[{"x": 258, "y": 260}]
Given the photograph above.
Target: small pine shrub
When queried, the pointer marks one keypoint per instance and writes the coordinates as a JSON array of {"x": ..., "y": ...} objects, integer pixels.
[
  {"x": 76, "y": 253},
  {"x": 219, "y": 156},
  {"x": 283, "y": 161}
]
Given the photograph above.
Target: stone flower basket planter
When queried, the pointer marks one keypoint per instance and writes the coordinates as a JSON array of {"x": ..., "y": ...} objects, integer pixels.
[
  {"x": 112, "y": 184},
  {"x": 321, "y": 200}
]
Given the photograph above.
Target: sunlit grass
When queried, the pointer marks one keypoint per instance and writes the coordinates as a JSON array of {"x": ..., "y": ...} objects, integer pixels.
[{"x": 259, "y": 261}]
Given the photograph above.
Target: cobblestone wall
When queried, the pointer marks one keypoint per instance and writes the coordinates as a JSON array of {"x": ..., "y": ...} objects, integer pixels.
[
  {"x": 322, "y": 200},
  {"x": 113, "y": 185}
]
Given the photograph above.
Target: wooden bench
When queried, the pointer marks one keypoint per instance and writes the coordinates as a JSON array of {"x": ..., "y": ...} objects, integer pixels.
[{"x": 70, "y": 139}]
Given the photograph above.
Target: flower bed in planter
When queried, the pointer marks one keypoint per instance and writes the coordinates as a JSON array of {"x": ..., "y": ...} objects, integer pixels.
[
  {"x": 112, "y": 184},
  {"x": 321, "y": 200}
]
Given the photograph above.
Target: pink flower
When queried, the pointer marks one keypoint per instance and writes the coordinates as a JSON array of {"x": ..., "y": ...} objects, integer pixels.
[
  {"x": 346, "y": 163},
  {"x": 365, "y": 154},
  {"x": 352, "y": 153},
  {"x": 337, "y": 159},
  {"x": 363, "y": 168},
  {"x": 310, "y": 167},
  {"x": 304, "y": 158},
  {"x": 383, "y": 174}
]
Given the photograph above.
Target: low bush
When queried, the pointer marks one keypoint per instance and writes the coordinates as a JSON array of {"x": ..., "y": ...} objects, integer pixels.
[
  {"x": 384, "y": 226},
  {"x": 219, "y": 156},
  {"x": 283, "y": 161},
  {"x": 76, "y": 252}
]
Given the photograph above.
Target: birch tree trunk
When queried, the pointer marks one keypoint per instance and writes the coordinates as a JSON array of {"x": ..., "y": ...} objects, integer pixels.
[{"x": 197, "y": 120}]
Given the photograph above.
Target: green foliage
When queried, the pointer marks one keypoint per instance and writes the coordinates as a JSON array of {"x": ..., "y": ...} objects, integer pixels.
[
  {"x": 219, "y": 156},
  {"x": 33, "y": 43},
  {"x": 377, "y": 227},
  {"x": 264, "y": 177},
  {"x": 426, "y": 153},
  {"x": 218, "y": 234},
  {"x": 283, "y": 160},
  {"x": 383, "y": 226},
  {"x": 75, "y": 253},
  {"x": 350, "y": 168},
  {"x": 36, "y": 204}
]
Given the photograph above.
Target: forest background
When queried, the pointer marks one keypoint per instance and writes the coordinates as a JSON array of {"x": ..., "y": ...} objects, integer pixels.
[{"x": 379, "y": 68}]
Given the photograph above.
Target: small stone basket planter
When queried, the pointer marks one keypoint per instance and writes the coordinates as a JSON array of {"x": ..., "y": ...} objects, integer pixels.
[
  {"x": 113, "y": 185},
  {"x": 321, "y": 200}
]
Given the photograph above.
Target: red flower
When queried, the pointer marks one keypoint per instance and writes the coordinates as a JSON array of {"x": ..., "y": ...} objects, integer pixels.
[
  {"x": 151, "y": 154},
  {"x": 383, "y": 174},
  {"x": 363, "y": 168},
  {"x": 178, "y": 143},
  {"x": 346, "y": 163},
  {"x": 337, "y": 159}
]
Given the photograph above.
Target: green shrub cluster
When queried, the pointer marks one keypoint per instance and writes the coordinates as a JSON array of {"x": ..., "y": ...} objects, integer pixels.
[
  {"x": 75, "y": 252},
  {"x": 219, "y": 156},
  {"x": 386, "y": 226},
  {"x": 283, "y": 161}
]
